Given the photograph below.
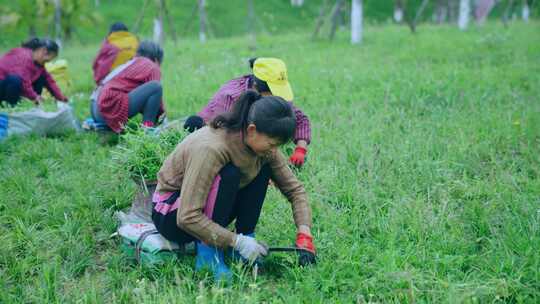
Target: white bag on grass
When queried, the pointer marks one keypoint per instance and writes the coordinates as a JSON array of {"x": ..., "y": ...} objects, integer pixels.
[
  {"x": 152, "y": 243},
  {"x": 140, "y": 238},
  {"x": 37, "y": 121}
]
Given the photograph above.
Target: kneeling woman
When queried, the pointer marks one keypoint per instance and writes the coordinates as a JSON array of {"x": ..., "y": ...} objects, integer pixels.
[
  {"x": 220, "y": 173},
  {"x": 132, "y": 88},
  {"x": 23, "y": 73}
]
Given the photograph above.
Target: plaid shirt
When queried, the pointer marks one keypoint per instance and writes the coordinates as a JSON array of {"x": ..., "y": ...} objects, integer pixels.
[
  {"x": 113, "y": 99},
  {"x": 18, "y": 61},
  {"x": 104, "y": 60},
  {"x": 228, "y": 94}
]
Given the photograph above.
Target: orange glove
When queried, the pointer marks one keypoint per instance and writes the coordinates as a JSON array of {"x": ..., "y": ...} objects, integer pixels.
[
  {"x": 298, "y": 157},
  {"x": 305, "y": 241}
]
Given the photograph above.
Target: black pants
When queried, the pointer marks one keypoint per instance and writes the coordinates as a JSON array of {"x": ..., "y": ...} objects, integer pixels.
[
  {"x": 144, "y": 99},
  {"x": 243, "y": 205},
  {"x": 11, "y": 88}
]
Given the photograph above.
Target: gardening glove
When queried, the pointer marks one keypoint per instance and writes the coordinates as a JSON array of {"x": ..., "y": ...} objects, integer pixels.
[
  {"x": 298, "y": 157},
  {"x": 305, "y": 241},
  {"x": 249, "y": 248}
]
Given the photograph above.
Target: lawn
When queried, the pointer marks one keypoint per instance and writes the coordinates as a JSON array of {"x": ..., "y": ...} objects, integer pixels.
[{"x": 423, "y": 176}]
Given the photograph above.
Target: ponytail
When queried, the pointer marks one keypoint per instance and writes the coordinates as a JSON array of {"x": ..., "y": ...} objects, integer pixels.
[
  {"x": 271, "y": 115},
  {"x": 237, "y": 118},
  {"x": 37, "y": 43}
]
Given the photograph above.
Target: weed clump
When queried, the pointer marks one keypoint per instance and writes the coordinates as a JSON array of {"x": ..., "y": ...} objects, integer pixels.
[{"x": 140, "y": 153}]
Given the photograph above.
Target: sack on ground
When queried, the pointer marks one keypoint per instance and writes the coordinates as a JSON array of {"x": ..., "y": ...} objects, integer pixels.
[
  {"x": 37, "y": 121},
  {"x": 142, "y": 242},
  {"x": 140, "y": 239}
]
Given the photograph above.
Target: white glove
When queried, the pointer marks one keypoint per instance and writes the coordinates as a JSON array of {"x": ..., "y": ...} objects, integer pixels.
[{"x": 249, "y": 248}]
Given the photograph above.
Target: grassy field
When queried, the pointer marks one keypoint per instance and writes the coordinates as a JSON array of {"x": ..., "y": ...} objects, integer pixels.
[{"x": 423, "y": 176}]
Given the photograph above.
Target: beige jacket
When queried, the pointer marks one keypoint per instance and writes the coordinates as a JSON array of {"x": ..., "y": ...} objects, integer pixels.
[{"x": 196, "y": 161}]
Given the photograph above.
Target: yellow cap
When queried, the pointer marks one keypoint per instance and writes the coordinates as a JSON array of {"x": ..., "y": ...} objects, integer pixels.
[{"x": 274, "y": 72}]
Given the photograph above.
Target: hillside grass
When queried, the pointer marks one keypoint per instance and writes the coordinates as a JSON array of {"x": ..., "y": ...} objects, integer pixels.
[
  {"x": 226, "y": 18},
  {"x": 423, "y": 176}
]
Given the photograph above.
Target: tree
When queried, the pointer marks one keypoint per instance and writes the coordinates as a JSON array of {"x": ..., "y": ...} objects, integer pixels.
[
  {"x": 57, "y": 22},
  {"x": 398, "y": 11},
  {"x": 202, "y": 21},
  {"x": 320, "y": 19},
  {"x": 507, "y": 12},
  {"x": 482, "y": 10},
  {"x": 251, "y": 25},
  {"x": 336, "y": 11},
  {"x": 414, "y": 21},
  {"x": 440, "y": 13},
  {"x": 356, "y": 21},
  {"x": 464, "y": 12},
  {"x": 163, "y": 12},
  {"x": 525, "y": 11},
  {"x": 452, "y": 8}
]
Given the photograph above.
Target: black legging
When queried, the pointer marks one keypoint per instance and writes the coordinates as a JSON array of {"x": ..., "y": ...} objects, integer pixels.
[
  {"x": 11, "y": 88},
  {"x": 243, "y": 205},
  {"x": 145, "y": 99}
]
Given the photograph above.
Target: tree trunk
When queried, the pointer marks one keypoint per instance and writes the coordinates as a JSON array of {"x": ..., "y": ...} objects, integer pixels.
[
  {"x": 483, "y": 8},
  {"x": 96, "y": 3},
  {"x": 140, "y": 17},
  {"x": 419, "y": 12},
  {"x": 165, "y": 11},
  {"x": 525, "y": 11},
  {"x": 158, "y": 31},
  {"x": 335, "y": 18},
  {"x": 320, "y": 20},
  {"x": 251, "y": 25},
  {"x": 464, "y": 12},
  {"x": 398, "y": 11},
  {"x": 356, "y": 21},
  {"x": 508, "y": 10},
  {"x": 187, "y": 27},
  {"x": 453, "y": 10},
  {"x": 441, "y": 12},
  {"x": 297, "y": 3},
  {"x": 57, "y": 22},
  {"x": 202, "y": 21}
]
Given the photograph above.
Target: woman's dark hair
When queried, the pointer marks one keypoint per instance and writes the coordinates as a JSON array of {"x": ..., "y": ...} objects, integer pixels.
[
  {"x": 272, "y": 116},
  {"x": 151, "y": 51},
  {"x": 36, "y": 43},
  {"x": 118, "y": 27},
  {"x": 251, "y": 62},
  {"x": 260, "y": 85}
]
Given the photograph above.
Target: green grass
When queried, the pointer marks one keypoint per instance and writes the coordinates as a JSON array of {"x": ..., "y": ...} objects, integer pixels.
[{"x": 423, "y": 176}]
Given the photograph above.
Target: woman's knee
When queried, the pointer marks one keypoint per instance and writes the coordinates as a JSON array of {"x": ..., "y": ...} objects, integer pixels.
[
  {"x": 14, "y": 81},
  {"x": 155, "y": 87}
]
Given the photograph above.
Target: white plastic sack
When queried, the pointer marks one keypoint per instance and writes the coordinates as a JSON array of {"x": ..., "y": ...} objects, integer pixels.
[
  {"x": 153, "y": 243},
  {"x": 38, "y": 121}
]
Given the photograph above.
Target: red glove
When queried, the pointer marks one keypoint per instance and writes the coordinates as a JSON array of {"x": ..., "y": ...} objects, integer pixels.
[
  {"x": 305, "y": 241},
  {"x": 299, "y": 156}
]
